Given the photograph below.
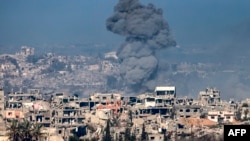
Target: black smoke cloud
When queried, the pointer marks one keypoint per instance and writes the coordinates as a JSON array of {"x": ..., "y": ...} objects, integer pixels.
[{"x": 146, "y": 31}]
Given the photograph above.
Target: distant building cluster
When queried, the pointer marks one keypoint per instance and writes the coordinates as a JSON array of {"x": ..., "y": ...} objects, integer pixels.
[
  {"x": 26, "y": 51},
  {"x": 79, "y": 73},
  {"x": 53, "y": 72}
]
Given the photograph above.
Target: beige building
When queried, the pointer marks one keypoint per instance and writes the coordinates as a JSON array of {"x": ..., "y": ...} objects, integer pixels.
[
  {"x": 187, "y": 111},
  {"x": 221, "y": 116},
  {"x": 209, "y": 97},
  {"x": 14, "y": 114}
]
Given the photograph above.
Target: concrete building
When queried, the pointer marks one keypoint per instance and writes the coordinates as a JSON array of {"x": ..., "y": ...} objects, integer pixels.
[
  {"x": 187, "y": 111},
  {"x": 14, "y": 114},
  {"x": 221, "y": 116},
  {"x": 160, "y": 112},
  {"x": 209, "y": 97},
  {"x": 166, "y": 91}
]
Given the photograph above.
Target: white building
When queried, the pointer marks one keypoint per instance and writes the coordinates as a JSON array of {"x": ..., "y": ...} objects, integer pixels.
[
  {"x": 221, "y": 116},
  {"x": 166, "y": 91}
]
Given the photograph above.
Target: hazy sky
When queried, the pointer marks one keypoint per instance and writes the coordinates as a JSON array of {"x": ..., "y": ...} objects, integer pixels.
[
  {"x": 220, "y": 27},
  {"x": 36, "y": 22}
]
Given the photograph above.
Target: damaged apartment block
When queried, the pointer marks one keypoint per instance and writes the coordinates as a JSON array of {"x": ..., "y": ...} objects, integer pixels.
[{"x": 159, "y": 115}]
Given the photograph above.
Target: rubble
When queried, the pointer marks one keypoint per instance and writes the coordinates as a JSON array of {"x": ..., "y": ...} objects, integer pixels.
[{"x": 162, "y": 113}]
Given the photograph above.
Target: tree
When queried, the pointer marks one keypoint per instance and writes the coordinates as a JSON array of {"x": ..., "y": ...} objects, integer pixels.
[
  {"x": 173, "y": 113},
  {"x": 238, "y": 114},
  {"x": 75, "y": 138},
  {"x": 244, "y": 105},
  {"x": 36, "y": 131},
  {"x": 130, "y": 114},
  {"x": 25, "y": 131},
  {"x": 120, "y": 138},
  {"x": 13, "y": 130},
  {"x": 133, "y": 136},
  {"x": 107, "y": 135},
  {"x": 143, "y": 133},
  {"x": 246, "y": 111},
  {"x": 127, "y": 135},
  {"x": 166, "y": 137}
]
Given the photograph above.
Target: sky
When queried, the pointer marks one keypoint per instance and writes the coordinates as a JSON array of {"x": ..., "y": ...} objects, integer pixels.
[
  {"x": 216, "y": 31},
  {"x": 40, "y": 23}
]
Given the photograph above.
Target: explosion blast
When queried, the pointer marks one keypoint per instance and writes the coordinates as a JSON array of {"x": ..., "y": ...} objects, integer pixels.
[{"x": 146, "y": 31}]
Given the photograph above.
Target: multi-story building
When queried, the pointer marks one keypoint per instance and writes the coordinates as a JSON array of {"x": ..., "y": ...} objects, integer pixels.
[
  {"x": 221, "y": 116},
  {"x": 209, "y": 97},
  {"x": 68, "y": 114}
]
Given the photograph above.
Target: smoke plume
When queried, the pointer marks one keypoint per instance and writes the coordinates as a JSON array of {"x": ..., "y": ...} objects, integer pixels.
[{"x": 146, "y": 31}]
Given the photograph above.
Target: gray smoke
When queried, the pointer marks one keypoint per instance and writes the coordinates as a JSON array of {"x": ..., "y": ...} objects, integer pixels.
[{"x": 146, "y": 31}]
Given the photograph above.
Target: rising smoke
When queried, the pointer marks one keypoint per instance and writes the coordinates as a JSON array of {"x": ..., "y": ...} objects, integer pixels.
[{"x": 146, "y": 31}]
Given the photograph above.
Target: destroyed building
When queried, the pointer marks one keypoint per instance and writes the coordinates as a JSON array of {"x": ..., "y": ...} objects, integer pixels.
[
  {"x": 161, "y": 112},
  {"x": 209, "y": 97}
]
